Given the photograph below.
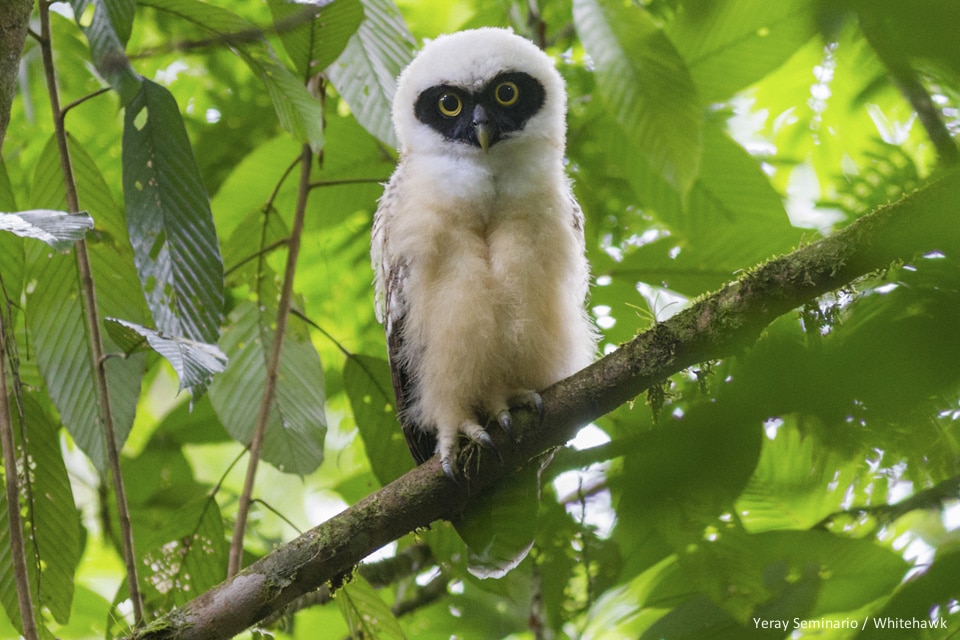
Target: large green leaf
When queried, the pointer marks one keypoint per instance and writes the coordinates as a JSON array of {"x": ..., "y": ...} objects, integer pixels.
[
  {"x": 370, "y": 390},
  {"x": 298, "y": 112},
  {"x": 315, "y": 34},
  {"x": 366, "y": 73},
  {"x": 646, "y": 86},
  {"x": 732, "y": 219},
  {"x": 55, "y": 316},
  {"x": 730, "y": 45},
  {"x": 50, "y": 520},
  {"x": 169, "y": 219},
  {"x": 107, "y": 24},
  {"x": 293, "y": 441}
]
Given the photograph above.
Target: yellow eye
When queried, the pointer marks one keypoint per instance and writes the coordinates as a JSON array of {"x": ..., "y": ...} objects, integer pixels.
[
  {"x": 450, "y": 105},
  {"x": 507, "y": 93}
]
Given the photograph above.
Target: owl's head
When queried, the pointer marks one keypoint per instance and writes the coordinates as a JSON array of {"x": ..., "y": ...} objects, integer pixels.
[{"x": 478, "y": 92}]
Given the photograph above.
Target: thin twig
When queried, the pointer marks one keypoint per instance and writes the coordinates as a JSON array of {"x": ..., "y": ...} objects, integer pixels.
[
  {"x": 89, "y": 297},
  {"x": 273, "y": 366}
]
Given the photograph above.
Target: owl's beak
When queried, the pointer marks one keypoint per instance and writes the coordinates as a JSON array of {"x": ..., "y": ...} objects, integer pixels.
[{"x": 483, "y": 128}]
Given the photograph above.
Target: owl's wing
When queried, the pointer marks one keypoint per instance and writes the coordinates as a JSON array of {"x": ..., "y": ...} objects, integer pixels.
[{"x": 391, "y": 276}]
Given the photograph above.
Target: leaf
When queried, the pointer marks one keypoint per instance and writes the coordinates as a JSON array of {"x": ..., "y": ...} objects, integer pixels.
[
  {"x": 646, "y": 86},
  {"x": 58, "y": 229},
  {"x": 293, "y": 441},
  {"x": 296, "y": 109},
  {"x": 55, "y": 316},
  {"x": 499, "y": 526},
  {"x": 730, "y": 45},
  {"x": 194, "y": 362},
  {"x": 107, "y": 25},
  {"x": 169, "y": 219},
  {"x": 315, "y": 33},
  {"x": 370, "y": 390},
  {"x": 366, "y": 613},
  {"x": 366, "y": 73},
  {"x": 51, "y": 522}
]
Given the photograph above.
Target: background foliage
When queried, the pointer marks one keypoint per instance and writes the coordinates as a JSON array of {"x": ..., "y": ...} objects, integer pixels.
[{"x": 812, "y": 477}]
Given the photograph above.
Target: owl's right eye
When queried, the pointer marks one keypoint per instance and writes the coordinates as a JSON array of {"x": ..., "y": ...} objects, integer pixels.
[{"x": 450, "y": 105}]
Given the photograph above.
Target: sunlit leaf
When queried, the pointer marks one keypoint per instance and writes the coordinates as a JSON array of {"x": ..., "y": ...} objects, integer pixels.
[
  {"x": 58, "y": 229},
  {"x": 169, "y": 220},
  {"x": 314, "y": 34},
  {"x": 366, "y": 73},
  {"x": 194, "y": 362},
  {"x": 729, "y": 45},
  {"x": 646, "y": 86}
]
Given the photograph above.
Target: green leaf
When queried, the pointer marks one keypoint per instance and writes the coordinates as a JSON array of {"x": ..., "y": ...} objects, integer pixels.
[
  {"x": 646, "y": 86},
  {"x": 58, "y": 229},
  {"x": 367, "y": 615},
  {"x": 107, "y": 25},
  {"x": 296, "y": 426},
  {"x": 194, "y": 362},
  {"x": 733, "y": 218},
  {"x": 314, "y": 34},
  {"x": 298, "y": 112},
  {"x": 50, "y": 520},
  {"x": 55, "y": 316},
  {"x": 730, "y": 45},
  {"x": 169, "y": 220},
  {"x": 369, "y": 387},
  {"x": 499, "y": 525},
  {"x": 366, "y": 73},
  {"x": 796, "y": 484}
]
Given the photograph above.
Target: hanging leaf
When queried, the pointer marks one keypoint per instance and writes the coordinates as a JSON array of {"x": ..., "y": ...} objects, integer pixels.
[
  {"x": 730, "y": 45},
  {"x": 59, "y": 229},
  {"x": 107, "y": 25},
  {"x": 55, "y": 315},
  {"x": 169, "y": 219},
  {"x": 366, "y": 73},
  {"x": 194, "y": 362},
  {"x": 50, "y": 520},
  {"x": 315, "y": 33},
  {"x": 298, "y": 112},
  {"x": 646, "y": 86},
  {"x": 293, "y": 441}
]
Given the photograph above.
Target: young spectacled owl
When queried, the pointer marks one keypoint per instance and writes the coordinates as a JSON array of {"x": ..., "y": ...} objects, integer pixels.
[{"x": 478, "y": 241}]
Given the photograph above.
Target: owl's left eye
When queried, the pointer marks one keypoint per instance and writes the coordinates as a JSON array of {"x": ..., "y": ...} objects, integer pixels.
[
  {"x": 450, "y": 105},
  {"x": 506, "y": 93}
]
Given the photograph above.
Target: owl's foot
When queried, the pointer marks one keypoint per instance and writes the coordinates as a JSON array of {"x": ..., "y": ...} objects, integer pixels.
[
  {"x": 529, "y": 399},
  {"x": 448, "y": 445}
]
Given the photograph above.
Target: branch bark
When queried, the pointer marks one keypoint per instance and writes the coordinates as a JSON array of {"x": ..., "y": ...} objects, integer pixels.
[
  {"x": 715, "y": 326},
  {"x": 14, "y": 22}
]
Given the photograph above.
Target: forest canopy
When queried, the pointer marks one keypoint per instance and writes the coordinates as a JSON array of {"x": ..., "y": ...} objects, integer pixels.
[{"x": 197, "y": 418}]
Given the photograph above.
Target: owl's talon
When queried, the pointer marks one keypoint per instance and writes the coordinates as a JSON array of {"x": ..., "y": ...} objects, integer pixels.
[
  {"x": 505, "y": 420},
  {"x": 531, "y": 400},
  {"x": 448, "y": 470}
]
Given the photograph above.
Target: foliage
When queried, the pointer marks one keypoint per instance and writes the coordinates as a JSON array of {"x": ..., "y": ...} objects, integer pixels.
[{"x": 810, "y": 479}]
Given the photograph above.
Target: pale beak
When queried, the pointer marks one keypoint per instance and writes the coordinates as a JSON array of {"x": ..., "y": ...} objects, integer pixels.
[{"x": 483, "y": 128}]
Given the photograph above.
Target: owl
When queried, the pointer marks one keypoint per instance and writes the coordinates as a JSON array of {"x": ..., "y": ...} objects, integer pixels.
[{"x": 477, "y": 244}]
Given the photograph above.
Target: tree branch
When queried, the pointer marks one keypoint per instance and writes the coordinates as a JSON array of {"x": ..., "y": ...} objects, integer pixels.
[
  {"x": 14, "y": 22},
  {"x": 714, "y": 326}
]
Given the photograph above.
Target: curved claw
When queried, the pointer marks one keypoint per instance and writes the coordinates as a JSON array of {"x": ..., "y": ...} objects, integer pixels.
[
  {"x": 530, "y": 399},
  {"x": 447, "y": 465},
  {"x": 505, "y": 420}
]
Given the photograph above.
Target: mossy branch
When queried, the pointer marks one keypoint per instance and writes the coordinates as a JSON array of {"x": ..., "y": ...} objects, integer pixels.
[{"x": 714, "y": 326}]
